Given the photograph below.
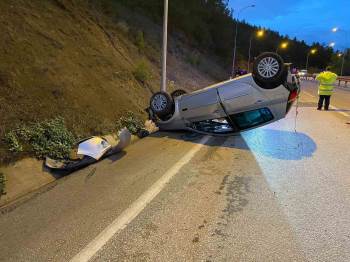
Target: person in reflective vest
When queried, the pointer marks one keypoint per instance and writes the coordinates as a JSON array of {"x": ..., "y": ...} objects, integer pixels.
[{"x": 325, "y": 89}]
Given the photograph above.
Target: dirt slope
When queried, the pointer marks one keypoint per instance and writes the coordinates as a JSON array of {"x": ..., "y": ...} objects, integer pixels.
[{"x": 76, "y": 59}]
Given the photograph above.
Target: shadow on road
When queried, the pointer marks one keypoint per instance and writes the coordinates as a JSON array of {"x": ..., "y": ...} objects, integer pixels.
[{"x": 278, "y": 144}]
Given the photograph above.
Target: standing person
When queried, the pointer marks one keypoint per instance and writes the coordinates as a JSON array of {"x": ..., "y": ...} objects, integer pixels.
[{"x": 325, "y": 89}]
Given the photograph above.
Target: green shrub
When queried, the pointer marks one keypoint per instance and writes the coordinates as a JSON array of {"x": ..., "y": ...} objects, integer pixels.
[
  {"x": 2, "y": 184},
  {"x": 194, "y": 59},
  {"x": 142, "y": 72},
  {"x": 13, "y": 143},
  {"x": 140, "y": 41},
  {"x": 47, "y": 138},
  {"x": 133, "y": 123}
]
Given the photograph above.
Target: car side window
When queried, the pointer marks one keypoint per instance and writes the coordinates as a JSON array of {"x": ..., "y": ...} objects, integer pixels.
[{"x": 252, "y": 118}]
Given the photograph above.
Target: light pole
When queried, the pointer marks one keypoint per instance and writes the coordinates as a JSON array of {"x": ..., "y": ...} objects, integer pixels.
[
  {"x": 342, "y": 63},
  {"x": 335, "y": 30},
  {"x": 312, "y": 51},
  {"x": 332, "y": 44},
  {"x": 165, "y": 44},
  {"x": 235, "y": 40},
  {"x": 260, "y": 33}
]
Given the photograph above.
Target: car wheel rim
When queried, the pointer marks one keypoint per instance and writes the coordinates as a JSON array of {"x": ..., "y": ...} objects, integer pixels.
[
  {"x": 268, "y": 67},
  {"x": 159, "y": 102}
]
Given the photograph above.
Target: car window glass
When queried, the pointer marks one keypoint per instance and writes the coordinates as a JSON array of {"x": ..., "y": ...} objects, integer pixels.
[{"x": 252, "y": 118}]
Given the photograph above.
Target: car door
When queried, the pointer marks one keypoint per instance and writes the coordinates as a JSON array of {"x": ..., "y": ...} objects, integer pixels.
[
  {"x": 238, "y": 95},
  {"x": 201, "y": 105}
]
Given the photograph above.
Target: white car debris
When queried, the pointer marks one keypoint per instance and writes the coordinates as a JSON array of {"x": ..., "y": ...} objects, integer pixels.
[{"x": 89, "y": 151}]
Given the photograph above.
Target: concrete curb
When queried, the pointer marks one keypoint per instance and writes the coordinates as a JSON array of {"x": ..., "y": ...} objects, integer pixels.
[{"x": 27, "y": 177}]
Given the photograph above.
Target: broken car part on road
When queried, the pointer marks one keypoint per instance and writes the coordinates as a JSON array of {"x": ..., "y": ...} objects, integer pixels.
[
  {"x": 89, "y": 151},
  {"x": 229, "y": 107}
]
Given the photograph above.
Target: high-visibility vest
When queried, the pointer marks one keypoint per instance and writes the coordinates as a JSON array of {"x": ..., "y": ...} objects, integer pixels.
[{"x": 327, "y": 80}]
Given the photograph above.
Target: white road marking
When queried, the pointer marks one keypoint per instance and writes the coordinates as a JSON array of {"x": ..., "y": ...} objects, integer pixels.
[
  {"x": 337, "y": 110},
  {"x": 136, "y": 207}
]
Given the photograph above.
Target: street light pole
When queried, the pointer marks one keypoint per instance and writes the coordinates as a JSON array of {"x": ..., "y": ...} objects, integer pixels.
[
  {"x": 307, "y": 60},
  {"x": 235, "y": 40},
  {"x": 165, "y": 44},
  {"x": 347, "y": 36},
  {"x": 234, "y": 52},
  {"x": 250, "y": 47},
  {"x": 309, "y": 52},
  {"x": 342, "y": 64},
  {"x": 260, "y": 33}
]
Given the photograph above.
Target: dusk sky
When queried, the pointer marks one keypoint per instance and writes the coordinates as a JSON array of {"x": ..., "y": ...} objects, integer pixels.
[{"x": 309, "y": 20}]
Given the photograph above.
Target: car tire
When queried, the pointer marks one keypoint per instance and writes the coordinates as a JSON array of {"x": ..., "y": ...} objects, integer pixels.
[
  {"x": 178, "y": 92},
  {"x": 269, "y": 70},
  {"x": 162, "y": 104}
]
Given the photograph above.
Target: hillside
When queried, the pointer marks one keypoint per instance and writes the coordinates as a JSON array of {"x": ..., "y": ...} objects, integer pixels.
[
  {"x": 81, "y": 60},
  {"x": 210, "y": 26}
]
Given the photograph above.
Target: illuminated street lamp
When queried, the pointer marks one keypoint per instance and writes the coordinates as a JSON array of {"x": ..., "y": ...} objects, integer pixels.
[
  {"x": 335, "y": 30},
  {"x": 235, "y": 41},
  {"x": 332, "y": 44},
  {"x": 258, "y": 34},
  {"x": 311, "y": 52},
  {"x": 283, "y": 45}
]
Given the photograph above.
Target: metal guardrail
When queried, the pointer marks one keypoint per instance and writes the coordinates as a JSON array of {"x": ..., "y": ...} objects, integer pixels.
[
  {"x": 344, "y": 79},
  {"x": 340, "y": 79},
  {"x": 308, "y": 76}
]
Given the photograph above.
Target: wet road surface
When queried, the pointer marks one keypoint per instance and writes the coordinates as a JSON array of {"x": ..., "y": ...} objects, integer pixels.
[{"x": 277, "y": 193}]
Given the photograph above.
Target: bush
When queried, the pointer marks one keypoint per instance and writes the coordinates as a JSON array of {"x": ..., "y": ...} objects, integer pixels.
[
  {"x": 131, "y": 122},
  {"x": 140, "y": 41},
  {"x": 142, "y": 72},
  {"x": 194, "y": 59},
  {"x": 48, "y": 138},
  {"x": 2, "y": 184},
  {"x": 13, "y": 143}
]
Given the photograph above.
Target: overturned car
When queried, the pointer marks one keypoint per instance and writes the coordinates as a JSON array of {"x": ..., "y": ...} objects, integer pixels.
[{"x": 229, "y": 107}]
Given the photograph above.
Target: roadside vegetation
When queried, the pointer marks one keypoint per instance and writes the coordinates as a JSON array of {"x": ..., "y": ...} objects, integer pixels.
[
  {"x": 47, "y": 138},
  {"x": 133, "y": 123},
  {"x": 52, "y": 138},
  {"x": 2, "y": 184},
  {"x": 142, "y": 72},
  {"x": 140, "y": 41}
]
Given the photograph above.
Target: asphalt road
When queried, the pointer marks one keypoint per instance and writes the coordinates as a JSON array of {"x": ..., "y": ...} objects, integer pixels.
[{"x": 277, "y": 193}]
